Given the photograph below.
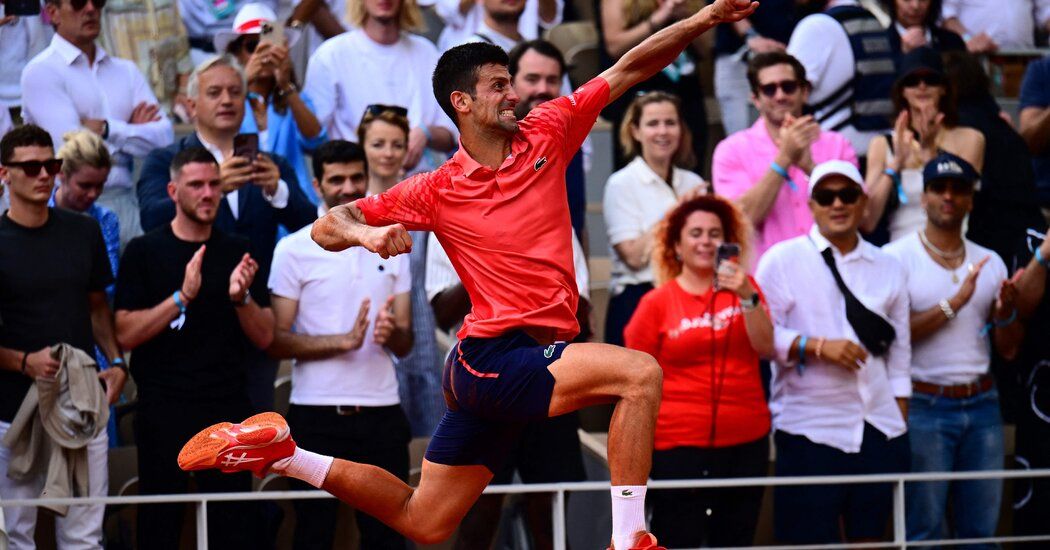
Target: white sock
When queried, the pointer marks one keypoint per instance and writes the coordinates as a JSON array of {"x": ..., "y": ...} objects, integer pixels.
[
  {"x": 309, "y": 467},
  {"x": 628, "y": 514}
]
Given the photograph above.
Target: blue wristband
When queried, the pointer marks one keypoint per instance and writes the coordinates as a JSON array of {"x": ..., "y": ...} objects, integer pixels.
[
  {"x": 802, "y": 353},
  {"x": 780, "y": 171},
  {"x": 1039, "y": 258},
  {"x": 178, "y": 301},
  {"x": 896, "y": 177}
]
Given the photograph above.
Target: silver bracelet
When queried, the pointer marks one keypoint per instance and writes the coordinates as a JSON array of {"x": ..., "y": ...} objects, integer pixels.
[{"x": 946, "y": 308}]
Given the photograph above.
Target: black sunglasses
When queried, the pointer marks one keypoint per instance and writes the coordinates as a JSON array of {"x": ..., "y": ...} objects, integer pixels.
[
  {"x": 958, "y": 187},
  {"x": 770, "y": 90},
  {"x": 32, "y": 167},
  {"x": 245, "y": 43},
  {"x": 929, "y": 79},
  {"x": 376, "y": 109},
  {"x": 826, "y": 197},
  {"x": 79, "y": 4}
]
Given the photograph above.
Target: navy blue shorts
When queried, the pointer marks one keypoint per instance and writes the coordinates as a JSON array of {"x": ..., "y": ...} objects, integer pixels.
[{"x": 493, "y": 387}]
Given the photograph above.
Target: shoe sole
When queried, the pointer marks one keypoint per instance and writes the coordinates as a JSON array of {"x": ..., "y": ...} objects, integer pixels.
[{"x": 202, "y": 451}]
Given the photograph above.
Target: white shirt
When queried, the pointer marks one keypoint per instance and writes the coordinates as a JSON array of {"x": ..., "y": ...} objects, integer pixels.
[
  {"x": 279, "y": 199},
  {"x": 20, "y": 41},
  {"x": 822, "y": 46},
  {"x": 60, "y": 88},
  {"x": 494, "y": 37},
  {"x": 330, "y": 287},
  {"x": 636, "y": 199},
  {"x": 201, "y": 16},
  {"x": 458, "y": 26},
  {"x": 826, "y": 403},
  {"x": 959, "y": 352},
  {"x": 351, "y": 71},
  {"x": 1010, "y": 23}
]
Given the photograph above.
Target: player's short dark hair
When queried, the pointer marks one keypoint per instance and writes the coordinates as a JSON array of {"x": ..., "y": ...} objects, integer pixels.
[
  {"x": 23, "y": 136},
  {"x": 190, "y": 155},
  {"x": 457, "y": 71},
  {"x": 337, "y": 151},
  {"x": 769, "y": 59},
  {"x": 540, "y": 46}
]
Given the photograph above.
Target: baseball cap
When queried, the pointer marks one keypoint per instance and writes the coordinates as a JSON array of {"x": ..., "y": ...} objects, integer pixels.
[
  {"x": 948, "y": 166},
  {"x": 249, "y": 20},
  {"x": 835, "y": 168}
]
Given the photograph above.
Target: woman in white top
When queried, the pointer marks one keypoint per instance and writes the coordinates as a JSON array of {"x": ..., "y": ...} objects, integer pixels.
[
  {"x": 925, "y": 126},
  {"x": 638, "y": 196}
]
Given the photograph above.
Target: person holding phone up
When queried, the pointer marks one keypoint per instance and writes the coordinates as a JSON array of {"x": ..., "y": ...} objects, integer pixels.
[
  {"x": 275, "y": 109},
  {"x": 707, "y": 326}
]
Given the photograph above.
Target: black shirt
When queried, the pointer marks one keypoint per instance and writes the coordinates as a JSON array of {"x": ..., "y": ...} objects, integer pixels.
[
  {"x": 46, "y": 274},
  {"x": 204, "y": 358}
]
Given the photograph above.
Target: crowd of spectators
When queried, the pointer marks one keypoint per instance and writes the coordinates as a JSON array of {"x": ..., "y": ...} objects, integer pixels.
[{"x": 859, "y": 283}]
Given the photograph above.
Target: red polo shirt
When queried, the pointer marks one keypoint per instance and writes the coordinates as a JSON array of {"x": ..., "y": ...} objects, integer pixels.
[{"x": 507, "y": 232}]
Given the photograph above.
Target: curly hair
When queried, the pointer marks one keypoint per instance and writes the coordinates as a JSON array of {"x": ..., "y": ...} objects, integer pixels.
[{"x": 735, "y": 228}]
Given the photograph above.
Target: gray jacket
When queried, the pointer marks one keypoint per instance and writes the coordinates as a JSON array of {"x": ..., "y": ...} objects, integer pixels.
[{"x": 57, "y": 419}]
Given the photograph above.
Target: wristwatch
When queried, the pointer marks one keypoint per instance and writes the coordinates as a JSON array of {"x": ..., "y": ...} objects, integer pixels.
[{"x": 750, "y": 303}]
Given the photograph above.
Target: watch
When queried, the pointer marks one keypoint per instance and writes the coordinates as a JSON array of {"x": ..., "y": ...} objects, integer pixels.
[{"x": 750, "y": 303}]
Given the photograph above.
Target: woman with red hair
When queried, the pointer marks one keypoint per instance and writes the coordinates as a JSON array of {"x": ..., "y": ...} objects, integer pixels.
[{"x": 707, "y": 326}]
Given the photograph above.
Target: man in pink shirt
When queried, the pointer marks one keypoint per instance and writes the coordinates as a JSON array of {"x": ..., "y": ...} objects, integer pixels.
[{"x": 766, "y": 167}]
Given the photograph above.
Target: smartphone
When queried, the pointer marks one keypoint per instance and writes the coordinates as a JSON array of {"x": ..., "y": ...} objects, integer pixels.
[
  {"x": 726, "y": 251},
  {"x": 21, "y": 7},
  {"x": 246, "y": 145},
  {"x": 272, "y": 32}
]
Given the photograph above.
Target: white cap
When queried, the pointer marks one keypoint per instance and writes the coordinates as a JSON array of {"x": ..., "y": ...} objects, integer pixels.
[
  {"x": 833, "y": 168},
  {"x": 249, "y": 20}
]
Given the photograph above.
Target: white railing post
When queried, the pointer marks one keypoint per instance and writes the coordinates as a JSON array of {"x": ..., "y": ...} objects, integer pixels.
[
  {"x": 559, "y": 520},
  {"x": 899, "y": 518},
  {"x": 202, "y": 524}
]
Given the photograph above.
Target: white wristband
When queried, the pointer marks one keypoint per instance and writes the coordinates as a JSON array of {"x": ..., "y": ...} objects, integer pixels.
[{"x": 946, "y": 308}]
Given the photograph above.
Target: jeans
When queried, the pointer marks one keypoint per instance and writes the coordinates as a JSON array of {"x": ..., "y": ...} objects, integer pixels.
[{"x": 955, "y": 435}]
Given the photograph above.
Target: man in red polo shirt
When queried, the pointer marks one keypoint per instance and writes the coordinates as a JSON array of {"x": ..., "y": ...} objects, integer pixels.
[{"x": 500, "y": 211}]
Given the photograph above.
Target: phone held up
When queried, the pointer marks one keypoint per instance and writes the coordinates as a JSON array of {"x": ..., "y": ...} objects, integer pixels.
[
  {"x": 246, "y": 145},
  {"x": 726, "y": 251},
  {"x": 272, "y": 32}
]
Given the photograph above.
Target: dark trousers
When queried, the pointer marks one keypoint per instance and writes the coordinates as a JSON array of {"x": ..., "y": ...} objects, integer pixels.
[
  {"x": 621, "y": 308},
  {"x": 708, "y": 517},
  {"x": 376, "y": 435},
  {"x": 827, "y": 514},
  {"x": 162, "y": 426}
]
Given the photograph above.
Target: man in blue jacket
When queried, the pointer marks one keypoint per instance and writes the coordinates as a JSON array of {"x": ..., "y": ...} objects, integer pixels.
[{"x": 260, "y": 193}]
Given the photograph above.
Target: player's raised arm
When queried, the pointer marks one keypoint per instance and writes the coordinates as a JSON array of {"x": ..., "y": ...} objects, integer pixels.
[
  {"x": 344, "y": 226},
  {"x": 660, "y": 49}
]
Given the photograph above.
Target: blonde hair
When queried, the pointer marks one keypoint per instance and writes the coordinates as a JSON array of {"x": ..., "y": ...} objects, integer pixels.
[
  {"x": 387, "y": 116},
  {"x": 410, "y": 18},
  {"x": 684, "y": 157},
  {"x": 83, "y": 148}
]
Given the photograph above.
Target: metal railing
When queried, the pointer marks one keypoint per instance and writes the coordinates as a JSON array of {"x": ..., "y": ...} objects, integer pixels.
[{"x": 560, "y": 490}]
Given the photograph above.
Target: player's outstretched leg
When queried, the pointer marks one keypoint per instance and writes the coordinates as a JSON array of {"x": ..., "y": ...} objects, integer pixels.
[
  {"x": 591, "y": 374},
  {"x": 427, "y": 514}
]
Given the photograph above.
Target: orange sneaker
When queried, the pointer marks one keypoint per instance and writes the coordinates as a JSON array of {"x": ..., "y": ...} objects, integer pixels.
[
  {"x": 253, "y": 445},
  {"x": 645, "y": 542}
]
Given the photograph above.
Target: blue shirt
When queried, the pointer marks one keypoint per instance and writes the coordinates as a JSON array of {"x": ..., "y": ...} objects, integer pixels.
[
  {"x": 284, "y": 138},
  {"x": 1035, "y": 92}
]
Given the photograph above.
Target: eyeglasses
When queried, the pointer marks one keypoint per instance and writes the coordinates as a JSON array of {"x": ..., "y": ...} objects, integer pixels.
[
  {"x": 958, "y": 187},
  {"x": 32, "y": 167},
  {"x": 770, "y": 90},
  {"x": 79, "y": 4},
  {"x": 376, "y": 109},
  {"x": 929, "y": 79},
  {"x": 826, "y": 197}
]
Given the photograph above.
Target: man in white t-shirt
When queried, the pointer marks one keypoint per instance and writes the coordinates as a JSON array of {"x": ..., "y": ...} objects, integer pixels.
[
  {"x": 340, "y": 316},
  {"x": 960, "y": 299},
  {"x": 380, "y": 62},
  {"x": 463, "y": 19}
]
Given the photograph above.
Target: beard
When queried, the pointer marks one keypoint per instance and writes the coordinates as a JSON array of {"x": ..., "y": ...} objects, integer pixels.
[
  {"x": 526, "y": 105},
  {"x": 192, "y": 213},
  {"x": 505, "y": 17}
]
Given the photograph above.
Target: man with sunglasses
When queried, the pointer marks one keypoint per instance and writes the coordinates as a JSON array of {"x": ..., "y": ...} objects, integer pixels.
[
  {"x": 962, "y": 304},
  {"x": 766, "y": 167},
  {"x": 55, "y": 270},
  {"x": 838, "y": 399},
  {"x": 74, "y": 83}
]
